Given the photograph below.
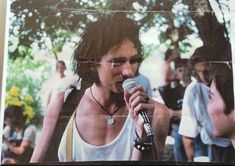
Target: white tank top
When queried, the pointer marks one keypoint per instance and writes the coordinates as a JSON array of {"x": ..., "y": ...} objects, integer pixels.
[{"x": 118, "y": 149}]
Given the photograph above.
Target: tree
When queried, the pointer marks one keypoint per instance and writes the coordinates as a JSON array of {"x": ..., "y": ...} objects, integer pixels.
[
  {"x": 210, "y": 30},
  {"x": 55, "y": 22}
]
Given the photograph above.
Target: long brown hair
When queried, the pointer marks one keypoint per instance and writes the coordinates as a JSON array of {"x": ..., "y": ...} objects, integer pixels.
[{"x": 98, "y": 38}]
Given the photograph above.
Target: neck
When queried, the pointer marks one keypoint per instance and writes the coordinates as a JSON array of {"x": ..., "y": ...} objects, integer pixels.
[
  {"x": 107, "y": 98},
  {"x": 62, "y": 75}
]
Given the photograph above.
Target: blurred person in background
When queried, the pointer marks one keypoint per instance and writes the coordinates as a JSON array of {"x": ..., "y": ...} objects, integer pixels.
[
  {"x": 18, "y": 137},
  {"x": 56, "y": 83},
  {"x": 145, "y": 83},
  {"x": 221, "y": 104},
  {"x": 195, "y": 120},
  {"x": 173, "y": 98},
  {"x": 168, "y": 66},
  {"x": 59, "y": 87}
]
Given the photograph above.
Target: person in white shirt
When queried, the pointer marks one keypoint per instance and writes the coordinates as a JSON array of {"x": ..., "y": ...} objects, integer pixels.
[
  {"x": 57, "y": 82},
  {"x": 56, "y": 90},
  {"x": 145, "y": 83},
  {"x": 195, "y": 119}
]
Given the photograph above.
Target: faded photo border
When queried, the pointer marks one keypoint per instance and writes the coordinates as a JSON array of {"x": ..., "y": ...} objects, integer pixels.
[
  {"x": 147, "y": 68},
  {"x": 4, "y": 8}
]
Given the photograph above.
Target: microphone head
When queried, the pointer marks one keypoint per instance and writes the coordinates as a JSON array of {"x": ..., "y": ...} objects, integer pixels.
[{"x": 128, "y": 84}]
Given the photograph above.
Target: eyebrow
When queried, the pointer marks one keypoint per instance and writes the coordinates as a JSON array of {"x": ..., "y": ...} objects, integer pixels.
[{"x": 122, "y": 57}]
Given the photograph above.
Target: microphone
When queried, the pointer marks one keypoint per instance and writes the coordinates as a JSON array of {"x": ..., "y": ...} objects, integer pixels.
[{"x": 127, "y": 85}]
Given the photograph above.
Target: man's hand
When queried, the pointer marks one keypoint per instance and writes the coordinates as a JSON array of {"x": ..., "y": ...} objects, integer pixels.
[{"x": 216, "y": 106}]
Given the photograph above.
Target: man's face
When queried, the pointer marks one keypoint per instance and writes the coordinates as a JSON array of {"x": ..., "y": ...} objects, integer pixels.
[
  {"x": 203, "y": 72},
  {"x": 60, "y": 68},
  {"x": 180, "y": 73},
  {"x": 8, "y": 122},
  {"x": 118, "y": 64}
]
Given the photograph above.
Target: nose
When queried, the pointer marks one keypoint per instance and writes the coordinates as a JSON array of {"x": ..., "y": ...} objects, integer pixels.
[
  {"x": 128, "y": 69},
  {"x": 201, "y": 75}
]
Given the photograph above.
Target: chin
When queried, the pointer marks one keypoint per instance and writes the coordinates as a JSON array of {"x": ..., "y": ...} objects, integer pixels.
[
  {"x": 118, "y": 90},
  {"x": 205, "y": 82},
  {"x": 208, "y": 83}
]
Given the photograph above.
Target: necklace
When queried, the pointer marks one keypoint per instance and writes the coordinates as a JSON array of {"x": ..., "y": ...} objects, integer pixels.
[{"x": 110, "y": 120}]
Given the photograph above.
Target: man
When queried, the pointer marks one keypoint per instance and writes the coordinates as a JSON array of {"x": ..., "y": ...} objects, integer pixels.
[
  {"x": 172, "y": 95},
  {"x": 57, "y": 82},
  {"x": 145, "y": 83},
  {"x": 167, "y": 69},
  {"x": 106, "y": 123},
  {"x": 56, "y": 115},
  {"x": 195, "y": 120}
]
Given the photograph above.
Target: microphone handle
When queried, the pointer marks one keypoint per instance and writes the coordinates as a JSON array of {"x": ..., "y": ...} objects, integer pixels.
[
  {"x": 146, "y": 122},
  {"x": 145, "y": 116}
]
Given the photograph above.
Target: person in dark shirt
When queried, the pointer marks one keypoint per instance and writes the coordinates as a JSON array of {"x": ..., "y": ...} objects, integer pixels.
[{"x": 173, "y": 94}]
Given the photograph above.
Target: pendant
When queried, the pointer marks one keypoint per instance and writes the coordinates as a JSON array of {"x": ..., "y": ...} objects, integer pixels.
[{"x": 110, "y": 120}]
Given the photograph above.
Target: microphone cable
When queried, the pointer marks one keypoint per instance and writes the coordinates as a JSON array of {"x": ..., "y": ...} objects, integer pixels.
[{"x": 148, "y": 129}]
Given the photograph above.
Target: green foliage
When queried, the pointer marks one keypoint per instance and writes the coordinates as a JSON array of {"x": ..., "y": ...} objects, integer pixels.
[
  {"x": 53, "y": 23},
  {"x": 35, "y": 21},
  {"x": 28, "y": 75},
  {"x": 15, "y": 97},
  {"x": 148, "y": 49}
]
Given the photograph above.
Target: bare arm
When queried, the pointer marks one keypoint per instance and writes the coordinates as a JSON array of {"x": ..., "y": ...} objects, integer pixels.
[
  {"x": 18, "y": 150},
  {"x": 189, "y": 147},
  {"x": 160, "y": 125},
  {"x": 48, "y": 100},
  {"x": 233, "y": 133},
  {"x": 175, "y": 113},
  {"x": 160, "y": 121},
  {"x": 49, "y": 123},
  {"x": 167, "y": 73}
]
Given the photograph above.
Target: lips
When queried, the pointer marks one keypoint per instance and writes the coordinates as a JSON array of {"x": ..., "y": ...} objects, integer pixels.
[{"x": 119, "y": 85}]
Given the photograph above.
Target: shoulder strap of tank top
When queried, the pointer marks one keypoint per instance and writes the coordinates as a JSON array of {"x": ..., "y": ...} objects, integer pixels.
[
  {"x": 69, "y": 139},
  {"x": 69, "y": 127}
]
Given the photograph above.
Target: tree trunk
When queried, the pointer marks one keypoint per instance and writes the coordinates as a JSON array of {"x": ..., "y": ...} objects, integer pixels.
[{"x": 210, "y": 30}]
